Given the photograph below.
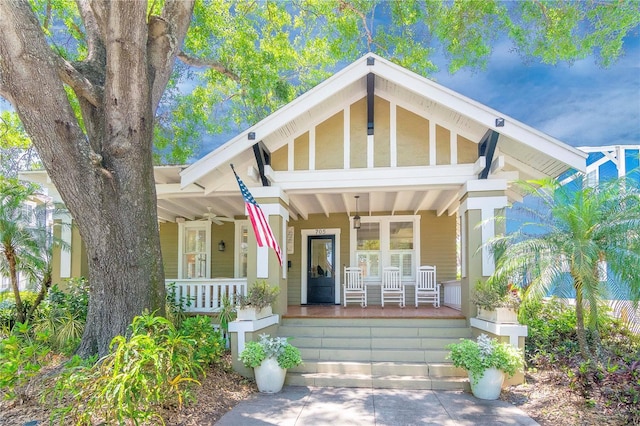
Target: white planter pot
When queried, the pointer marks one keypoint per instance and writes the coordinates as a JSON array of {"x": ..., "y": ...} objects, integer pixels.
[
  {"x": 489, "y": 386},
  {"x": 269, "y": 376},
  {"x": 250, "y": 313},
  {"x": 499, "y": 315}
]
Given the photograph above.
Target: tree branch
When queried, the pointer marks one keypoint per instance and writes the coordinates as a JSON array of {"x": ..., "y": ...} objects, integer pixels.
[
  {"x": 348, "y": 6},
  {"x": 215, "y": 65},
  {"x": 80, "y": 84},
  {"x": 166, "y": 35}
]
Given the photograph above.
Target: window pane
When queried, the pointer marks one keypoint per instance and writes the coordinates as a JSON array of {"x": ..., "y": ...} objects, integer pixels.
[
  {"x": 195, "y": 240},
  {"x": 242, "y": 253},
  {"x": 370, "y": 264},
  {"x": 401, "y": 236},
  {"x": 369, "y": 236}
]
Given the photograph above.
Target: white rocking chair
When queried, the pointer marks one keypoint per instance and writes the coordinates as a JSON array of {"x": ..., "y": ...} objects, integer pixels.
[
  {"x": 427, "y": 289},
  {"x": 354, "y": 289},
  {"x": 392, "y": 287}
]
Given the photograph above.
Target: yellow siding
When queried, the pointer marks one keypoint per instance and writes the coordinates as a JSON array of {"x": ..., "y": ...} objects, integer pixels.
[
  {"x": 330, "y": 143},
  {"x": 280, "y": 159},
  {"x": 443, "y": 145},
  {"x": 169, "y": 247},
  {"x": 467, "y": 151},
  {"x": 222, "y": 262},
  {"x": 382, "y": 130},
  {"x": 412, "y": 138},
  {"x": 301, "y": 152},
  {"x": 438, "y": 244},
  {"x": 358, "y": 134},
  {"x": 79, "y": 263}
]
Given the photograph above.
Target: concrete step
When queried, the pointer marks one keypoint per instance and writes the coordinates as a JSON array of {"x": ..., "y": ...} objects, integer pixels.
[
  {"x": 376, "y": 352},
  {"x": 381, "y": 382},
  {"x": 380, "y": 368}
]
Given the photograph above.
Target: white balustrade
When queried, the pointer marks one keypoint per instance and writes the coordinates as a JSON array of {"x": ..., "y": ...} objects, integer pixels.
[
  {"x": 452, "y": 294},
  {"x": 205, "y": 295}
]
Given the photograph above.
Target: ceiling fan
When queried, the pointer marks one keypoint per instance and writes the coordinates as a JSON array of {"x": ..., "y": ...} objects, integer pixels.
[{"x": 212, "y": 217}]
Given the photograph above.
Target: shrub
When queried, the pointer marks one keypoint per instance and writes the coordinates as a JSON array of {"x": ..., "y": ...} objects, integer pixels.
[
  {"x": 154, "y": 366},
  {"x": 209, "y": 343},
  {"x": 64, "y": 315},
  {"x": 22, "y": 355}
]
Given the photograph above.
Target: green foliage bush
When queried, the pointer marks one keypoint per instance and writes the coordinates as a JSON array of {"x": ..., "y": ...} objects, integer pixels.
[
  {"x": 64, "y": 315},
  {"x": 613, "y": 380},
  {"x": 155, "y": 365},
  {"x": 22, "y": 355},
  {"x": 552, "y": 331},
  {"x": 209, "y": 343}
]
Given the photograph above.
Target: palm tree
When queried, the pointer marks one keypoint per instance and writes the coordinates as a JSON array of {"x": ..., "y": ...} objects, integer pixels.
[
  {"x": 588, "y": 236},
  {"x": 24, "y": 247}
]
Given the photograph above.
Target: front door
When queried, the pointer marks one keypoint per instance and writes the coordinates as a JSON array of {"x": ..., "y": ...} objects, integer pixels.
[{"x": 320, "y": 269}]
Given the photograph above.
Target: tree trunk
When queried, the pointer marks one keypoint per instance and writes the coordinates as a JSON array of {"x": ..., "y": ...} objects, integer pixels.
[
  {"x": 582, "y": 337},
  {"x": 15, "y": 285},
  {"x": 105, "y": 176}
]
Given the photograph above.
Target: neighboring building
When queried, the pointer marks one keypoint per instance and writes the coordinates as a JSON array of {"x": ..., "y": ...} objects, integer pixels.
[
  {"x": 426, "y": 163},
  {"x": 35, "y": 214}
]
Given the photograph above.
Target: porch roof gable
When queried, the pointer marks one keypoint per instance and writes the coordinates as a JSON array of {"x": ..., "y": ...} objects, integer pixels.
[{"x": 523, "y": 147}]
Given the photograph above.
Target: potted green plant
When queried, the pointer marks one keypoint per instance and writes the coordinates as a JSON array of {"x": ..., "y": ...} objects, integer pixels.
[
  {"x": 486, "y": 361},
  {"x": 257, "y": 302},
  {"x": 270, "y": 357},
  {"x": 496, "y": 302}
]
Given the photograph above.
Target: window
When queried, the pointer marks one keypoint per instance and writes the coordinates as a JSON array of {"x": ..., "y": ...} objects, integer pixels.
[
  {"x": 387, "y": 241},
  {"x": 195, "y": 249},
  {"x": 242, "y": 242},
  {"x": 368, "y": 249},
  {"x": 401, "y": 247}
]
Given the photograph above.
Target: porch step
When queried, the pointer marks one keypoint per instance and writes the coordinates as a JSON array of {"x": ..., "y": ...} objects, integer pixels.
[{"x": 380, "y": 353}]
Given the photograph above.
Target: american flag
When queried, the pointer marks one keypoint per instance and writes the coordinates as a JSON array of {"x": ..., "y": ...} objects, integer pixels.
[{"x": 260, "y": 224}]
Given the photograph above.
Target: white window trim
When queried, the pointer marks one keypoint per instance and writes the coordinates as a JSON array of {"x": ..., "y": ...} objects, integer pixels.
[
  {"x": 238, "y": 241},
  {"x": 384, "y": 221},
  {"x": 206, "y": 225}
]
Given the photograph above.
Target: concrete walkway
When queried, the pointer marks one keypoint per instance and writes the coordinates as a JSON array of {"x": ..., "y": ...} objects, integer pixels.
[{"x": 301, "y": 406}]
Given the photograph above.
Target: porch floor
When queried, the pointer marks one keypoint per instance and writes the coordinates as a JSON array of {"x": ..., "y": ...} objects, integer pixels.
[{"x": 354, "y": 311}]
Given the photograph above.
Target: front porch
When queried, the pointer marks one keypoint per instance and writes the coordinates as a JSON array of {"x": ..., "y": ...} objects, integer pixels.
[
  {"x": 206, "y": 296},
  {"x": 370, "y": 312}
]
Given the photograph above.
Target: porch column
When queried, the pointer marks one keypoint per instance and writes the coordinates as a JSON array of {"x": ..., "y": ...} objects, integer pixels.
[
  {"x": 263, "y": 261},
  {"x": 481, "y": 201}
]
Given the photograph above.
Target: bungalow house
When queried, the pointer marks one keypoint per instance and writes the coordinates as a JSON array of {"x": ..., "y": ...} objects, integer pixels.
[{"x": 422, "y": 168}]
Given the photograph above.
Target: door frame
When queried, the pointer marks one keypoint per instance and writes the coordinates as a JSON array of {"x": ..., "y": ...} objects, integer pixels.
[{"x": 319, "y": 232}]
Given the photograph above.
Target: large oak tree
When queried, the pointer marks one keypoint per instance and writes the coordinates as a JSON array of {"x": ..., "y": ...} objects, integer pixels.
[{"x": 95, "y": 97}]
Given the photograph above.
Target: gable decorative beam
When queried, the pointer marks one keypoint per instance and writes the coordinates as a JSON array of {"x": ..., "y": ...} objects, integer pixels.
[
  {"x": 486, "y": 148},
  {"x": 371, "y": 80},
  {"x": 263, "y": 158}
]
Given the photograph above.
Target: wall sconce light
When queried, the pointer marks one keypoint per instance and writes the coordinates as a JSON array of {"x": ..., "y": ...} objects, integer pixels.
[
  {"x": 356, "y": 218},
  {"x": 221, "y": 246}
]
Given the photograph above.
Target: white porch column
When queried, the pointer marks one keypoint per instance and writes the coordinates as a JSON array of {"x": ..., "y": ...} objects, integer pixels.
[
  {"x": 481, "y": 201},
  {"x": 273, "y": 202}
]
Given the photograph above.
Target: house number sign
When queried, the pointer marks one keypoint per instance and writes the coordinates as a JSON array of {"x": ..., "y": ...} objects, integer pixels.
[{"x": 321, "y": 231}]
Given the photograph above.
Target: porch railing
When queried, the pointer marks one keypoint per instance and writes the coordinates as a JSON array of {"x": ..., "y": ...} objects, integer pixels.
[
  {"x": 452, "y": 294},
  {"x": 205, "y": 295}
]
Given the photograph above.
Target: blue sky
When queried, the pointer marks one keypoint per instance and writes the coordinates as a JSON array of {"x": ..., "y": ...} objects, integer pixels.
[{"x": 581, "y": 104}]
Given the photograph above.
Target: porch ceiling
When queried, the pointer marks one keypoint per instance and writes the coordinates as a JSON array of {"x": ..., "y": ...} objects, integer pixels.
[{"x": 303, "y": 204}]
